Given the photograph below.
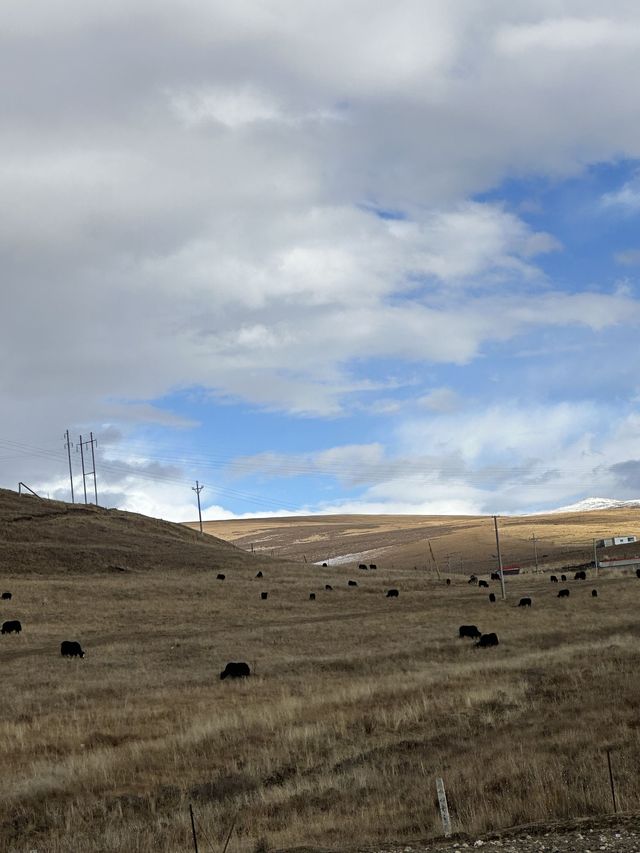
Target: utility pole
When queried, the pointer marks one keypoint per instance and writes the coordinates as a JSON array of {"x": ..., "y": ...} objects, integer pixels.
[
  {"x": 595, "y": 557},
  {"x": 91, "y": 442},
  {"x": 500, "y": 572},
  {"x": 84, "y": 482},
  {"x": 93, "y": 461},
  {"x": 68, "y": 449},
  {"x": 433, "y": 557},
  {"x": 535, "y": 550},
  {"x": 197, "y": 489}
]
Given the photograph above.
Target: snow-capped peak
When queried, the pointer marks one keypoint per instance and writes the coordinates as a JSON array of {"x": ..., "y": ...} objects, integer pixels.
[{"x": 592, "y": 504}]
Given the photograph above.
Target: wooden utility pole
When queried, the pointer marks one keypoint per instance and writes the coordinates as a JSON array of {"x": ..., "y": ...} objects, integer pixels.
[
  {"x": 90, "y": 443},
  {"x": 435, "y": 562},
  {"x": 500, "y": 572},
  {"x": 535, "y": 550},
  {"x": 197, "y": 489},
  {"x": 68, "y": 447}
]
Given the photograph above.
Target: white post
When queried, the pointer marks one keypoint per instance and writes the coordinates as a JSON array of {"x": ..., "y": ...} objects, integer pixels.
[{"x": 444, "y": 808}]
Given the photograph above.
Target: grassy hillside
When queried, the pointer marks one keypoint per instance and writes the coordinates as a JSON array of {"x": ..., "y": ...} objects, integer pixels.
[
  {"x": 52, "y": 537},
  {"x": 461, "y": 544},
  {"x": 356, "y": 704}
]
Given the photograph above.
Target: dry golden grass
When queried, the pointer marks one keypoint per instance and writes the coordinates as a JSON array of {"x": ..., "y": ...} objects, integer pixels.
[
  {"x": 357, "y": 704},
  {"x": 461, "y": 544}
]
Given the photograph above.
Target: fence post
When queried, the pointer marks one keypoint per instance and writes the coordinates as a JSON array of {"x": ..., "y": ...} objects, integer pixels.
[
  {"x": 233, "y": 823},
  {"x": 193, "y": 829},
  {"x": 444, "y": 808},
  {"x": 613, "y": 788}
]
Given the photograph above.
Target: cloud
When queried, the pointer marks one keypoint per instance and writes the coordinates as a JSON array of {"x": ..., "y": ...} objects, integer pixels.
[
  {"x": 441, "y": 400},
  {"x": 628, "y": 258},
  {"x": 500, "y": 458},
  {"x": 627, "y": 197},
  {"x": 627, "y": 474},
  {"x": 568, "y": 34},
  {"x": 190, "y": 197}
]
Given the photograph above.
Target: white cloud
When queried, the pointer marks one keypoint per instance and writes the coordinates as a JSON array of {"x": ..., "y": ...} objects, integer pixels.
[
  {"x": 628, "y": 257},
  {"x": 188, "y": 194},
  {"x": 627, "y": 197},
  {"x": 232, "y": 108},
  {"x": 441, "y": 400},
  {"x": 568, "y": 34}
]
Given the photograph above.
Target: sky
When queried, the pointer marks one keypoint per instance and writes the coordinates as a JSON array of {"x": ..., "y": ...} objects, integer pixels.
[{"x": 354, "y": 256}]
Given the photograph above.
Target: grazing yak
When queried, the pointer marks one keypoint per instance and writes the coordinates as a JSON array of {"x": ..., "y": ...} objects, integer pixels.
[
  {"x": 553, "y": 579},
  {"x": 238, "y": 669},
  {"x": 473, "y": 579},
  {"x": 373, "y": 567},
  {"x": 448, "y": 581},
  {"x": 564, "y": 593},
  {"x": 487, "y": 640},
  {"x": 13, "y": 626},
  {"x": 580, "y": 576},
  {"x": 392, "y": 593},
  {"x": 6, "y": 596},
  {"x": 71, "y": 649},
  {"x": 637, "y": 575},
  {"x": 524, "y": 602},
  {"x": 264, "y": 596},
  {"x": 469, "y": 631},
  {"x": 312, "y": 596},
  {"x": 364, "y": 567},
  {"x": 594, "y": 593},
  {"x": 352, "y": 583},
  {"x": 328, "y": 587},
  {"x": 492, "y": 597},
  {"x": 259, "y": 575},
  {"x": 495, "y": 576},
  {"x": 220, "y": 577},
  {"x": 483, "y": 584},
  {"x": 324, "y": 565},
  {"x": 563, "y": 577}
]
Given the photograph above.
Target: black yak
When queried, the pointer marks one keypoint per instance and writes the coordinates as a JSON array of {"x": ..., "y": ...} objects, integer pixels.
[
  {"x": 235, "y": 670},
  {"x": 71, "y": 649},
  {"x": 487, "y": 640}
]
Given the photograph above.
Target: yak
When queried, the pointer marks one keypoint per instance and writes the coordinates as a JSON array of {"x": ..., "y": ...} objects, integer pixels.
[
  {"x": 487, "y": 640},
  {"x": 71, "y": 649},
  {"x": 238, "y": 669}
]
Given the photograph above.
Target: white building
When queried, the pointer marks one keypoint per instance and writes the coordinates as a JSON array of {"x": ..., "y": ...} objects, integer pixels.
[{"x": 616, "y": 540}]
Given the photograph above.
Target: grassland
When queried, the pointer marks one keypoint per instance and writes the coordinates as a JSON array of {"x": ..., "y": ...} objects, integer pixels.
[
  {"x": 357, "y": 702},
  {"x": 460, "y": 544}
]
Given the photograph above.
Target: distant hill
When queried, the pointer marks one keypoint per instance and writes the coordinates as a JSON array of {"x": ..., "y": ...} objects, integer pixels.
[
  {"x": 38, "y": 535},
  {"x": 462, "y": 544},
  {"x": 593, "y": 504}
]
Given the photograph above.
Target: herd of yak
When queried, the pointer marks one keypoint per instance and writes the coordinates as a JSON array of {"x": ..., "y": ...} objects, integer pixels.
[{"x": 240, "y": 669}]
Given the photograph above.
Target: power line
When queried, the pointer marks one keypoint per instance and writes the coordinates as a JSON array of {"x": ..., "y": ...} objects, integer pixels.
[{"x": 364, "y": 471}]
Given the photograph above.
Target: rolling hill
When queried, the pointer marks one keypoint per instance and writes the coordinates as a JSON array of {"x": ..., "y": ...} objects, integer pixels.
[
  {"x": 460, "y": 544},
  {"x": 53, "y": 537}
]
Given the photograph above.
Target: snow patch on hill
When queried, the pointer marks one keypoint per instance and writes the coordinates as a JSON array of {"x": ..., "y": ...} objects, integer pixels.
[{"x": 591, "y": 505}]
